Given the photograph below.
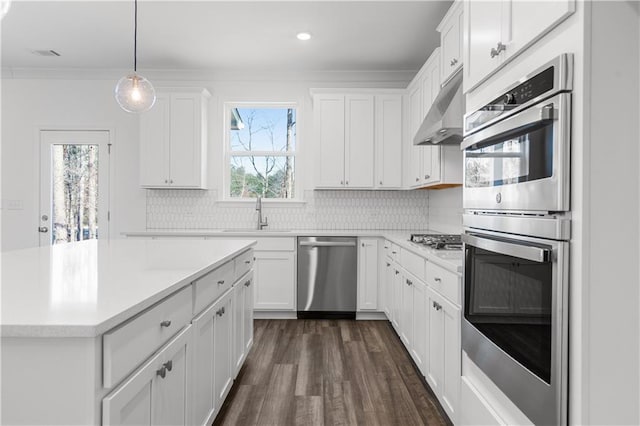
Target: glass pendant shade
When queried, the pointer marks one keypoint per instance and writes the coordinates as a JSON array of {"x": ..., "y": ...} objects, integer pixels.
[{"x": 134, "y": 93}]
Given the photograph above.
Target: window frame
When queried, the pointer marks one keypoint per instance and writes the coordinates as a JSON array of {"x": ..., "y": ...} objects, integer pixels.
[{"x": 228, "y": 153}]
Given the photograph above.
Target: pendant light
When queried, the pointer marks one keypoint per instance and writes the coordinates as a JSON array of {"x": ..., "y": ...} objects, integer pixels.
[{"x": 134, "y": 93}]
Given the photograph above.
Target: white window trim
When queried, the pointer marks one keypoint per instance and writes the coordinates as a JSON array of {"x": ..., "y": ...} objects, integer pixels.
[{"x": 227, "y": 200}]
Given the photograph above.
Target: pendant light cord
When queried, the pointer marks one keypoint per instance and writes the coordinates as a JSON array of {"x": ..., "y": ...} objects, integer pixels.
[{"x": 135, "y": 36}]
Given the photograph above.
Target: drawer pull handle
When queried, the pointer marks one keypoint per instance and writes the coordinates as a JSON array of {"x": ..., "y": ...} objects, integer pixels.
[
  {"x": 394, "y": 252},
  {"x": 247, "y": 284},
  {"x": 162, "y": 372},
  {"x": 247, "y": 262},
  {"x": 168, "y": 365},
  {"x": 438, "y": 280},
  {"x": 220, "y": 282},
  {"x": 165, "y": 323}
]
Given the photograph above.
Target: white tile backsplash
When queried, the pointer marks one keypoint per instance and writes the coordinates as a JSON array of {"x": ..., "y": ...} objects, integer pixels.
[
  {"x": 445, "y": 210},
  {"x": 189, "y": 209}
]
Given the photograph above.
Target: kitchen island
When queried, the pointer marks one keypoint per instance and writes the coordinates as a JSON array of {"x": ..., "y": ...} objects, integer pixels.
[{"x": 102, "y": 332}]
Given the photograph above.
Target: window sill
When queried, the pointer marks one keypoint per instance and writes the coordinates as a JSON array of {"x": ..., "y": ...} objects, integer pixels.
[{"x": 265, "y": 202}]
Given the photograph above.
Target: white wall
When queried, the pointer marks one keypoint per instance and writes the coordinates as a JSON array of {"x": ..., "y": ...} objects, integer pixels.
[{"x": 31, "y": 105}]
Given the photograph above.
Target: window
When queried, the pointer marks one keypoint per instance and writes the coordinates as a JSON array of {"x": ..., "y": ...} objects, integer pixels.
[{"x": 261, "y": 151}]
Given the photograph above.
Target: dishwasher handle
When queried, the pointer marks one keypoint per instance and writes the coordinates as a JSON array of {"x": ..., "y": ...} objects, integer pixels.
[{"x": 327, "y": 243}]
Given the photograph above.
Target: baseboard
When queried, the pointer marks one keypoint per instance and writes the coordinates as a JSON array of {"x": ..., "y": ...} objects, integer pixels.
[
  {"x": 274, "y": 315},
  {"x": 371, "y": 316}
]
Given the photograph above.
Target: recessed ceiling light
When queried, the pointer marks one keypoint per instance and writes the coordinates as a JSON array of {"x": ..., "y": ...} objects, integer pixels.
[{"x": 303, "y": 36}]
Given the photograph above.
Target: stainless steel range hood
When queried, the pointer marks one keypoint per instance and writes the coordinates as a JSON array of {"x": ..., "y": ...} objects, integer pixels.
[{"x": 443, "y": 123}]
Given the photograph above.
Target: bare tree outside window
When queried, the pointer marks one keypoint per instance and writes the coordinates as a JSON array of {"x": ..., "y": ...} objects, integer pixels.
[
  {"x": 262, "y": 152},
  {"x": 75, "y": 193}
]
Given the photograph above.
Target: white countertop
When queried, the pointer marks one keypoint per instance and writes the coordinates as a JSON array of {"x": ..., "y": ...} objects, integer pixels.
[
  {"x": 84, "y": 289},
  {"x": 451, "y": 260}
]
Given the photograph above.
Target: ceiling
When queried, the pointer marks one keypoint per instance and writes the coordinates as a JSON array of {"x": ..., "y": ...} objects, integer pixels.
[{"x": 223, "y": 35}]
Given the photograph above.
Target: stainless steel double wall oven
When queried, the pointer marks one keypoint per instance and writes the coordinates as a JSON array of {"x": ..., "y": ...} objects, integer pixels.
[{"x": 516, "y": 198}]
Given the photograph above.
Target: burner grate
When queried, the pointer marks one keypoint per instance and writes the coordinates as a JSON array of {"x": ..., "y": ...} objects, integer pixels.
[{"x": 438, "y": 241}]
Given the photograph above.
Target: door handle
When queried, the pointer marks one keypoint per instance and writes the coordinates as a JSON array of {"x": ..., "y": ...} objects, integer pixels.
[{"x": 43, "y": 229}]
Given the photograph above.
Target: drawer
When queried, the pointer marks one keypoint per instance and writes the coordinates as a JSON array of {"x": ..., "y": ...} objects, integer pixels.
[
  {"x": 413, "y": 263},
  {"x": 211, "y": 286},
  {"x": 444, "y": 282},
  {"x": 128, "y": 345},
  {"x": 244, "y": 263},
  {"x": 265, "y": 243}
]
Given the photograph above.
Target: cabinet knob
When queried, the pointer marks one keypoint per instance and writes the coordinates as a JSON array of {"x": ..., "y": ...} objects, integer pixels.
[
  {"x": 247, "y": 284},
  {"x": 495, "y": 51},
  {"x": 427, "y": 176},
  {"x": 162, "y": 372},
  {"x": 346, "y": 182},
  {"x": 166, "y": 181},
  {"x": 171, "y": 181},
  {"x": 247, "y": 262},
  {"x": 220, "y": 282},
  {"x": 453, "y": 62},
  {"x": 409, "y": 282},
  {"x": 417, "y": 179},
  {"x": 168, "y": 365},
  {"x": 219, "y": 312},
  {"x": 397, "y": 272},
  {"x": 341, "y": 182},
  {"x": 380, "y": 182},
  {"x": 388, "y": 264},
  {"x": 165, "y": 323},
  {"x": 438, "y": 280}
]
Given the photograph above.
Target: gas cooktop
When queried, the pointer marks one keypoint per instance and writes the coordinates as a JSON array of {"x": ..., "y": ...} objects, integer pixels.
[{"x": 438, "y": 241}]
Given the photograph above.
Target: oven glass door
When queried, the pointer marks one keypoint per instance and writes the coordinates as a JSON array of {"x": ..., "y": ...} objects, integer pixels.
[
  {"x": 523, "y": 156},
  {"x": 508, "y": 298}
]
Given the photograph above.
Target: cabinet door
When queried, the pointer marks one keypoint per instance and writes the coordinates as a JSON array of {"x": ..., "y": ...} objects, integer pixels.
[
  {"x": 247, "y": 322},
  {"x": 368, "y": 274},
  {"x": 530, "y": 20},
  {"x": 406, "y": 311},
  {"x": 397, "y": 298},
  {"x": 169, "y": 403},
  {"x": 186, "y": 140},
  {"x": 431, "y": 164},
  {"x": 435, "y": 365},
  {"x": 154, "y": 144},
  {"x": 359, "y": 143},
  {"x": 222, "y": 344},
  {"x": 274, "y": 280},
  {"x": 330, "y": 127},
  {"x": 420, "y": 321},
  {"x": 484, "y": 21},
  {"x": 451, "y": 41},
  {"x": 388, "y": 139},
  {"x": 204, "y": 357},
  {"x": 238, "y": 327},
  {"x": 415, "y": 152},
  {"x": 147, "y": 398},
  {"x": 388, "y": 288},
  {"x": 451, "y": 359}
]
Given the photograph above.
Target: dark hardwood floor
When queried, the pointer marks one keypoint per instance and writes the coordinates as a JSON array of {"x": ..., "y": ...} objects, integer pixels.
[{"x": 328, "y": 372}]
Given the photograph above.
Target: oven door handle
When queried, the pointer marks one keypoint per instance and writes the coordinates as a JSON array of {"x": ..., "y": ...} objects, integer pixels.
[
  {"x": 512, "y": 125},
  {"x": 535, "y": 254}
]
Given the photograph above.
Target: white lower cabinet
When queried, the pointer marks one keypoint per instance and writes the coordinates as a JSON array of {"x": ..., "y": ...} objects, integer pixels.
[
  {"x": 420, "y": 319},
  {"x": 443, "y": 368},
  {"x": 156, "y": 392},
  {"x": 388, "y": 286},
  {"x": 367, "y": 274},
  {"x": 275, "y": 280},
  {"x": 396, "y": 297},
  {"x": 242, "y": 321},
  {"x": 406, "y": 309},
  {"x": 247, "y": 312},
  {"x": 212, "y": 361}
]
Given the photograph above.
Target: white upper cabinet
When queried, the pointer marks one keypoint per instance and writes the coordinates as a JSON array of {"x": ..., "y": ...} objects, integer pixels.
[
  {"x": 173, "y": 140},
  {"x": 388, "y": 140},
  {"x": 329, "y": 126},
  {"x": 497, "y": 31},
  {"x": 359, "y": 142},
  {"x": 451, "y": 33},
  {"x": 359, "y": 138}
]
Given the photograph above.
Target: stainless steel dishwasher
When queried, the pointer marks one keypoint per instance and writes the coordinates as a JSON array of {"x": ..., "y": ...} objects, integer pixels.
[{"x": 327, "y": 277}]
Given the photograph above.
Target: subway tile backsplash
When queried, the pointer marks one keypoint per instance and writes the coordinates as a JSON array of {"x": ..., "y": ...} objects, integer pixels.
[{"x": 324, "y": 210}]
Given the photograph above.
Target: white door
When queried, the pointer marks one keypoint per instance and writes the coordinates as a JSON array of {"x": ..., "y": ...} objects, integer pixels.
[{"x": 74, "y": 186}]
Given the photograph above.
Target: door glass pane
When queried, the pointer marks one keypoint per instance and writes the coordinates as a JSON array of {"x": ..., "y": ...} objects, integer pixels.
[
  {"x": 263, "y": 129},
  {"x": 74, "y": 192}
]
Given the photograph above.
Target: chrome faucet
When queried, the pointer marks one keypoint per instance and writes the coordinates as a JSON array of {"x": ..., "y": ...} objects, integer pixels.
[{"x": 261, "y": 224}]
